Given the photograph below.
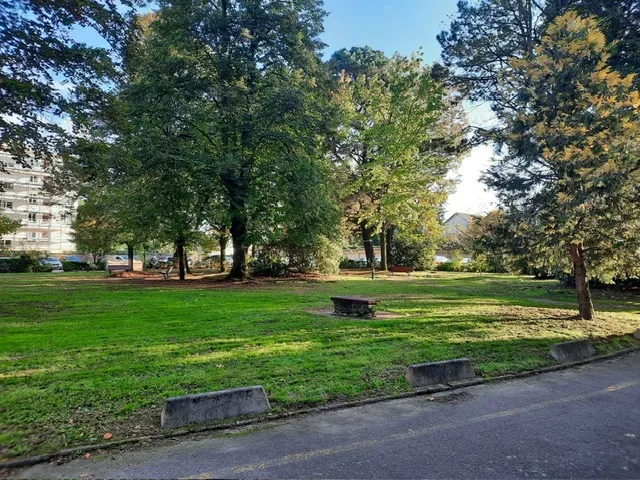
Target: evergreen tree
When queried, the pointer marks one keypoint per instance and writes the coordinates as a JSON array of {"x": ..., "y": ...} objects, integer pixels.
[{"x": 571, "y": 173}]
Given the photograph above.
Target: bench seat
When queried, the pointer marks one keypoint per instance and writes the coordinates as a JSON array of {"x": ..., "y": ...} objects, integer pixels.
[{"x": 354, "y": 306}]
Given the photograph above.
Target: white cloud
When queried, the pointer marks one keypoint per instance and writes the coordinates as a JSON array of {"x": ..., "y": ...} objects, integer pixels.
[{"x": 471, "y": 195}]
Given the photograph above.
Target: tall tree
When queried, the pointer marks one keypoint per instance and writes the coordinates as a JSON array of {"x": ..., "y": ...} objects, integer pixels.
[
  {"x": 401, "y": 136},
  {"x": 486, "y": 35},
  {"x": 571, "y": 173},
  {"x": 237, "y": 78}
]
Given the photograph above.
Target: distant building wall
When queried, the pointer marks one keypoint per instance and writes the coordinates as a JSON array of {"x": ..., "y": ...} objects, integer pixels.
[{"x": 46, "y": 221}]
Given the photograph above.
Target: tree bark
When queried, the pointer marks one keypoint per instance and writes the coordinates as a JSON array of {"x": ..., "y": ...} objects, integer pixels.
[
  {"x": 585, "y": 305},
  {"x": 239, "y": 270},
  {"x": 368, "y": 244},
  {"x": 389, "y": 241},
  {"x": 383, "y": 249},
  {"x": 130, "y": 256},
  {"x": 223, "y": 240},
  {"x": 186, "y": 262},
  {"x": 180, "y": 249}
]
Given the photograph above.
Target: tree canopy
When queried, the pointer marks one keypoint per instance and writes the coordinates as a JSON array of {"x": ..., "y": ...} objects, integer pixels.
[
  {"x": 40, "y": 59},
  {"x": 570, "y": 173}
]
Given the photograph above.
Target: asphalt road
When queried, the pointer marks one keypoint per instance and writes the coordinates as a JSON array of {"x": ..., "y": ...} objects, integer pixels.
[{"x": 578, "y": 423}]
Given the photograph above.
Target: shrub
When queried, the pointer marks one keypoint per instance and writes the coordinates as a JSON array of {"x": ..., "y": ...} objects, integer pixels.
[
  {"x": 42, "y": 268},
  {"x": 76, "y": 266},
  {"x": 348, "y": 263},
  {"x": 270, "y": 262},
  {"x": 478, "y": 264},
  {"x": 450, "y": 266},
  {"x": 322, "y": 256},
  {"x": 21, "y": 264},
  {"x": 412, "y": 251},
  {"x": 328, "y": 255}
]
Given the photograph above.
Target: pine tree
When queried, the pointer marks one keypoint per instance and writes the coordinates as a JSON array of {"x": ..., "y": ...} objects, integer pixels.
[{"x": 571, "y": 172}]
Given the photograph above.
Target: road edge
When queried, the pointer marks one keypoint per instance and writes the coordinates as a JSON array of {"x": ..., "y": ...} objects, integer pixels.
[{"x": 81, "y": 449}]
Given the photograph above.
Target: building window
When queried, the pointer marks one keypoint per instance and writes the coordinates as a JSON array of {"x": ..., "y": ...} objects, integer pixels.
[
  {"x": 7, "y": 243},
  {"x": 7, "y": 205},
  {"x": 33, "y": 179},
  {"x": 46, "y": 217},
  {"x": 32, "y": 235},
  {"x": 33, "y": 200},
  {"x": 32, "y": 217},
  {"x": 7, "y": 185}
]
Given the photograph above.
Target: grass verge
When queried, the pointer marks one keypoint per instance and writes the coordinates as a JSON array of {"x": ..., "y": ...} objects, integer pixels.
[{"x": 83, "y": 355}]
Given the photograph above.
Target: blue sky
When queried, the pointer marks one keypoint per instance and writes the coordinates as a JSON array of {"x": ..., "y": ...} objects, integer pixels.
[{"x": 388, "y": 25}]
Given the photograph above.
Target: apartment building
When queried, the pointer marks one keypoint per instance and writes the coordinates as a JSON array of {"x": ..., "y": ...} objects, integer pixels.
[{"x": 46, "y": 221}]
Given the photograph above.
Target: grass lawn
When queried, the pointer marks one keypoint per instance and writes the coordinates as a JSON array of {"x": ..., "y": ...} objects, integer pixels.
[{"x": 82, "y": 354}]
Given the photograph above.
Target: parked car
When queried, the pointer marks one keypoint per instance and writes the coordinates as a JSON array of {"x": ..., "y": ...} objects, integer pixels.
[
  {"x": 441, "y": 259},
  {"x": 121, "y": 258},
  {"x": 74, "y": 259},
  {"x": 54, "y": 262}
]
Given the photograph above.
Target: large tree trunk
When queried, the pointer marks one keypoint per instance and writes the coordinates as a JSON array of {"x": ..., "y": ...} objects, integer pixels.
[
  {"x": 368, "y": 244},
  {"x": 223, "y": 240},
  {"x": 181, "y": 263},
  {"x": 130, "y": 256},
  {"x": 389, "y": 241},
  {"x": 383, "y": 249},
  {"x": 239, "y": 270},
  {"x": 186, "y": 262},
  {"x": 585, "y": 305}
]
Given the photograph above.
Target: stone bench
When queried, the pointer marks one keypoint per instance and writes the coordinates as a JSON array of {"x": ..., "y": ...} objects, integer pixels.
[{"x": 354, "y": 306}]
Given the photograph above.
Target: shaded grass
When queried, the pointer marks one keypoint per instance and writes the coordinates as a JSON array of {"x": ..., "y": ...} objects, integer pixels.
[{"x": 82, "y": 354}]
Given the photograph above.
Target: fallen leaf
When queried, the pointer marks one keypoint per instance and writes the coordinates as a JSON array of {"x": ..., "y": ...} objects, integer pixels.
[
  {"x": 87, "y": 456},
  {"x": 107, "y": 435},
  {"x": 431, "y": 399}
]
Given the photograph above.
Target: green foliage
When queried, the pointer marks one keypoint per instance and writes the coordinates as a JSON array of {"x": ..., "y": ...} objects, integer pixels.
[
  {"x": 454, "y": 264},
  {"x": 8, "y": 225},
  {"x": 231, "y": 92},
  {"x": 486, "y": 35},
  {"x": 570, "y": 174},
  {"x": 94, "y": 335},
  {"x": 22, "y": 264},
  {"x": 322, "y": 256},
  {"x": 401, "y": 134},
  {"x": 450, "y": 266},
  {"x": 479, "y": 263},
  {"x": 36, "y": 49},
  {"x": 412, "y": 251},
  {"x": 270, "y": 262},
  {"x": 76, "y": 266},
  {"x": 95, "y": 230},
  {"x": 346, "y": 262}
]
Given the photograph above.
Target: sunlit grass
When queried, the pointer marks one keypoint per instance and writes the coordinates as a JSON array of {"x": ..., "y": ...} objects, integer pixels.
[{"x": 82, "y": 354}]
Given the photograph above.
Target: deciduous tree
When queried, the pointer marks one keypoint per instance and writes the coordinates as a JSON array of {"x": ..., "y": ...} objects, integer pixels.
[{"x": 401, "y": 136}]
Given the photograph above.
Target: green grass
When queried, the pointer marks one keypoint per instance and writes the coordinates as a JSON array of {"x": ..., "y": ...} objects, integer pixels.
[{"x": 82, "y": 354}]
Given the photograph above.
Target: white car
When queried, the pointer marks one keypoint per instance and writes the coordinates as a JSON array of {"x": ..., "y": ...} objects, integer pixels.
[{"x": 54, "y": 262}]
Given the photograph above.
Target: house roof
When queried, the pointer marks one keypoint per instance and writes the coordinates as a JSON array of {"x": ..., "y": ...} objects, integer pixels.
[{"x": 468, "y": 217}]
